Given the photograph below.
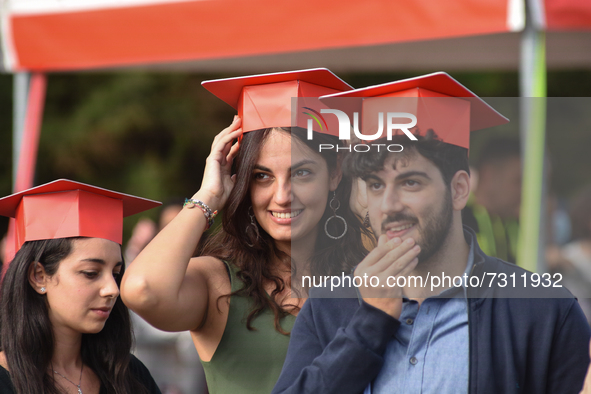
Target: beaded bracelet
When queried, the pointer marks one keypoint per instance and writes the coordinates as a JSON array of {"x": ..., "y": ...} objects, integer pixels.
[{"x": 209, "y": 215}]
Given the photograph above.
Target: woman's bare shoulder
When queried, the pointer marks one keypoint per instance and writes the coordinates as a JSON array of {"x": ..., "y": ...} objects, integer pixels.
[{"x": 213, "y": 270}]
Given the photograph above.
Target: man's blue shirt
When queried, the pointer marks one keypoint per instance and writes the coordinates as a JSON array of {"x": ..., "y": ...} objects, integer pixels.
[{"x": 431, "y": 344}]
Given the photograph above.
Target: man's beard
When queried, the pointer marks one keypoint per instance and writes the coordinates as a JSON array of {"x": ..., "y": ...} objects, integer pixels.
[{"x": 434, "y": 229}]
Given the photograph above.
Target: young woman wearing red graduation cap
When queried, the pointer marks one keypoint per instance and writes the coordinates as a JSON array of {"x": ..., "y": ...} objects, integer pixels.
[
  {"x": 282, "y": 201},
  {"x": 63, "y": 327}
]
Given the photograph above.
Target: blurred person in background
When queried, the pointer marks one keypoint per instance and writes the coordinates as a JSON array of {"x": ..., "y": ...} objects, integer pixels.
[
  {"x": 146, "y": 229},
  {"x": 493, "y": 208},
  {"x": 575, "y": 264},
  {"x": 278, "y": 196}
]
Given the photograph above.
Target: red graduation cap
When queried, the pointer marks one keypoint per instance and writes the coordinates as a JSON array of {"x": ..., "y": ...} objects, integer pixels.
[
  {"x": 438, "y": 102},
  {"x": 265, "y": 101},
  {"x": 64, "y": 208}
]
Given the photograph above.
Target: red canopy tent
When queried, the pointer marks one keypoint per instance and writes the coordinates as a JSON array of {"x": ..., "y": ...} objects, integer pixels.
[{"x": 238, "y": 35}]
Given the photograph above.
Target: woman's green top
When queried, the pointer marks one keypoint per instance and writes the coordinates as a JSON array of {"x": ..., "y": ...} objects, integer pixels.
[{"x": 247, "y": 361}]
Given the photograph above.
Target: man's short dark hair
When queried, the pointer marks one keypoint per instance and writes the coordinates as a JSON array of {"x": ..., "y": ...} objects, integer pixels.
[{"x": 448, "y": 158}]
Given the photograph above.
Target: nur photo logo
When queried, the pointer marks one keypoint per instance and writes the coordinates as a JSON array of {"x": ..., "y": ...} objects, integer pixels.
[{"x": 345, "y": 129}]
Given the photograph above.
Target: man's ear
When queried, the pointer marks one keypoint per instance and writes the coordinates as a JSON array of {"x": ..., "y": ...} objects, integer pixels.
[
  {"x": 460, "y": 190},
  {"x": 38, "y": 278}
]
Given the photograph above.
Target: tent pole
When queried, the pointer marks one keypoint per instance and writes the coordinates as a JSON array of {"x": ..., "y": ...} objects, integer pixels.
[
  {"x": 28, "y": 140},
  {"x": 533, "y": 129},
  {"x": 20, "y": 83},
  {"x": 27, "y": 159},
  {"x": 20, "y": 97}
]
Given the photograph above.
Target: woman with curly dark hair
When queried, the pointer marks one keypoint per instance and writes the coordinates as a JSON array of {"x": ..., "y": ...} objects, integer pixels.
[
  {"x": 283, "y": 203},
  {"x": 63, "y": 327}
]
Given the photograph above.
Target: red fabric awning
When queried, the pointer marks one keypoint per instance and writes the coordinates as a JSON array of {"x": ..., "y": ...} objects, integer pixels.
[
  {"x": 568, "y": 14},
  {"x": 165, "y": 31}
]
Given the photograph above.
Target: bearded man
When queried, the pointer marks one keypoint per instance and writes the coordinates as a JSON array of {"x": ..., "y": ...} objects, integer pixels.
[{"x": 468, "y": 323}]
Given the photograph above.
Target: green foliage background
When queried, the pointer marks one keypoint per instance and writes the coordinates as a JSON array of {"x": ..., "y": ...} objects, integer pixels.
[{"x": 149, "y": 133}]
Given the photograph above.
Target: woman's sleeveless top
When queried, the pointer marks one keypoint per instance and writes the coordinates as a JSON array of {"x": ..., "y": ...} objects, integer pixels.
[{"x": 247, "y": 362}]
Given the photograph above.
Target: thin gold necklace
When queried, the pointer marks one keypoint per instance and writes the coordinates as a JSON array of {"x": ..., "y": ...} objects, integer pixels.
[{"x": 79, "y": 380}]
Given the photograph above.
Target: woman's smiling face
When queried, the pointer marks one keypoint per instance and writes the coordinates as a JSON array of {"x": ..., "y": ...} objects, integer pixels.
[
  {"x": 83, "y": 291},
  {"x": 290, "y": 188}
]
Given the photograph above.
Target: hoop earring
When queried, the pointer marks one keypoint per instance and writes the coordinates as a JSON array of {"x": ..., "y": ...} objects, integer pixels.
[
  {"x": 252, "y": 227},
  {"x": 366, "y": 222},
  {"x": 335, "y": 204}
]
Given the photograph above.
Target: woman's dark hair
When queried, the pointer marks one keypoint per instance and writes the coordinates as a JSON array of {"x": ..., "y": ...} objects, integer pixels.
[
  {"x": 254, "y": 255},
  {"x": 26, "y": 333}
]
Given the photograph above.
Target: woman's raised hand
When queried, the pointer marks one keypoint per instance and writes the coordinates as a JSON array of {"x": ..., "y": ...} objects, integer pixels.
[
  {"x": 164, "y": 284},
  {"x": 217, "y": 180}
]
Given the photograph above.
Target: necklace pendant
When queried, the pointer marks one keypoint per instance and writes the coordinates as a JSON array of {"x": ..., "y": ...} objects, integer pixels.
[{"x": 79, "y": 390}]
